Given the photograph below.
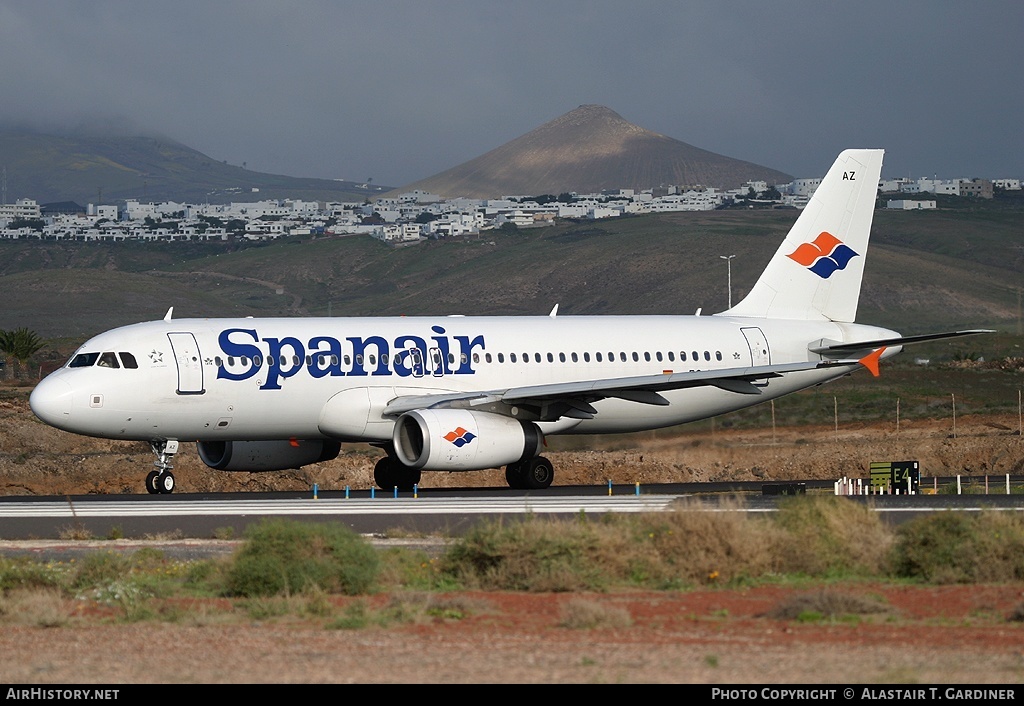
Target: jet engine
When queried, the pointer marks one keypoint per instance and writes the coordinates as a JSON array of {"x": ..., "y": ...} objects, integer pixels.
[
  {"x": 265, "y": 455},
  {"x": 463, "y": 440}
]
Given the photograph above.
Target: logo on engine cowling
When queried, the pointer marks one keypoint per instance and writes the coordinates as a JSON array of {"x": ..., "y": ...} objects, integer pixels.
[{"x": 460, "y": 437}]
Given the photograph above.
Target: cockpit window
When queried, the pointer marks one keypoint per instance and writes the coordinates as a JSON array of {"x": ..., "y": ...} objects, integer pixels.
[
  {"x": 83, "y": 360},
  {"x": 128, "y": 360},
  {"x": 108, "y": 360}
]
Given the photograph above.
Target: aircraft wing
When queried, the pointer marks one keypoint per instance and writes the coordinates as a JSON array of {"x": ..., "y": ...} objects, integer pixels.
[
  {"x": 573, "y": 399},
  {"x": 834, "y": 347}
]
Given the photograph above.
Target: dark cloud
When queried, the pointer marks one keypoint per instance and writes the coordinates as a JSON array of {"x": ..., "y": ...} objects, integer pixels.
[{"x": 401, "y": 90}]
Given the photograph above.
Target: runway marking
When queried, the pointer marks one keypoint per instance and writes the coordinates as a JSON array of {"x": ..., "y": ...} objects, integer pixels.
[{"x": 351, "y": 506}]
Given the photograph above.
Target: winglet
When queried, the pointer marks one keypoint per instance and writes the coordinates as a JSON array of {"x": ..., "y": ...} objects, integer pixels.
[
  {"x": 167, "y": 316},
  {"x": 554, "y": 312},
  {"x": 870, "y": 361}
]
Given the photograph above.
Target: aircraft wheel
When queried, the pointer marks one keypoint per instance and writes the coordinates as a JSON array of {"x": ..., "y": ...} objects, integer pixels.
[
  {"x": 383, "y": 474},
  {"x": 538, "y": 473},
  {"x": 389, "y": 474},
  {"x": 165, "y": 482},
  {"x": 514, "y": 476},
  {"x": 151, "y": 482},
  {"x": 407, "y": 478}
]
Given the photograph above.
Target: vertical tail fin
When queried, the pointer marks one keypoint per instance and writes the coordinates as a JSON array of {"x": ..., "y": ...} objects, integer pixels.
[{"x": 816, "y": 273}]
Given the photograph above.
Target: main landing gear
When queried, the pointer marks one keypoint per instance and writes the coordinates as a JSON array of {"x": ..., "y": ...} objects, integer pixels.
[
  {"x": 531, "y": 474},
  {"x": 390, "y": 473},
  {"x": 162, "y": 480}
]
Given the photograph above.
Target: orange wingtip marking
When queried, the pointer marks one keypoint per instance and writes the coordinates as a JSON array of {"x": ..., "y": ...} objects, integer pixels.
[
  {"x": 294, "y": 442},
  {"x": 870, "y": 361},
  {"x": 666, "y": 372}
]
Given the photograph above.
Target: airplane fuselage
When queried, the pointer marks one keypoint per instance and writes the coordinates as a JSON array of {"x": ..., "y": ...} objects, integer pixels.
[{"x": 331, "y": 378}]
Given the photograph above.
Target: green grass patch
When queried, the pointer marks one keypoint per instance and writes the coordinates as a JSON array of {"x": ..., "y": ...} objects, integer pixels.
[{"x": 285, "y": 557}]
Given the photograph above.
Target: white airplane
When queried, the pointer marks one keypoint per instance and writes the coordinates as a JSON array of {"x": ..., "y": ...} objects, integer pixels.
[{"x": 470, "y": 393}]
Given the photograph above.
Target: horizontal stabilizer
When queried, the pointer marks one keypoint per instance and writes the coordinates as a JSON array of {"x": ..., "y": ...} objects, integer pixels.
[{"x": 846, "y": 348}]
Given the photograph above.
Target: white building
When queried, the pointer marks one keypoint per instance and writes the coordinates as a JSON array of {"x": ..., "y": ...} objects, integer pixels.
[
  {"x": 22, "y": 209},
  {"x": 906, "y": 205}
]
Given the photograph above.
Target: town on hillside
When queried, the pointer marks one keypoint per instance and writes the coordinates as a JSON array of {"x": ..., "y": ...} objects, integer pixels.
[{"x": 415, "y": 216}]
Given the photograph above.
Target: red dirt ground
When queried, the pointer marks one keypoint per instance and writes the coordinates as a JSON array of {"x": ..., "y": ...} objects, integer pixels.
[{"x": 936, "y": 635}]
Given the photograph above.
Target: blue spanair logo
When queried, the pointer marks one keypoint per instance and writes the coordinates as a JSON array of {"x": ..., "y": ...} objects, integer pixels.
[{"x": 326, "y": 356}]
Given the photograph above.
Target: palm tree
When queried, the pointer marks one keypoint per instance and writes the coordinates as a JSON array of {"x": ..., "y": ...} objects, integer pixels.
[{"x": 20, "y": 344}]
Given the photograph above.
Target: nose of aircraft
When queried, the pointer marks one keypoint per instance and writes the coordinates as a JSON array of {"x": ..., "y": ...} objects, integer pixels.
[{"x": 51, "y": 401}]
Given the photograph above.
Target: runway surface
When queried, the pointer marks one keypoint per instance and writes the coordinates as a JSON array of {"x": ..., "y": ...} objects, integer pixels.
[{"x": 438, "y": 512}]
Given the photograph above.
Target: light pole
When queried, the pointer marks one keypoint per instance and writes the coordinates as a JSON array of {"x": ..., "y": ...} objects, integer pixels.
[{"x": 728, "y": 262}]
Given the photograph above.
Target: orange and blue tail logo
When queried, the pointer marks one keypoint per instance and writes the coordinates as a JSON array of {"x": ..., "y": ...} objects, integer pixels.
[
  {"x": 460, "y": 437},
  {"x": 823, "y": 256}
]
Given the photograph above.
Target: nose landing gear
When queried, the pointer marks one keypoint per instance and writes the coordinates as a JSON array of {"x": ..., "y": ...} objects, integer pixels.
[{"x": 161, "y": 480}]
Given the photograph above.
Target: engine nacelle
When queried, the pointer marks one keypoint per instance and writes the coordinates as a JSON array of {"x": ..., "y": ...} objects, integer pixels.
[
  {"x": 461, "y": 440},
  {"x": 265, "y": 455}
]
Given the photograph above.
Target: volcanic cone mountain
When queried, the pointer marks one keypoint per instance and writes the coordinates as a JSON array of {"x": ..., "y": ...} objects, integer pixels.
[{"x": 588, "y": 150}]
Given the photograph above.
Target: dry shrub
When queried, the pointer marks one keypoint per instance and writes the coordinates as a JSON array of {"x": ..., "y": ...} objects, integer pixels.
[
  {"x": 830, "y": 536},
  {"x": 826, "y": 604},
  {"x": 529, "y": 555},
  {"x": 701, "y": 544},
  {"x": 961, "y": 547},
  {"x": 40, "y": 607},
  {"x": 580, "y": 613}
]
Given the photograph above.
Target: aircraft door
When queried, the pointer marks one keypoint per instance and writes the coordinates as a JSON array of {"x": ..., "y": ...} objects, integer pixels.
[
  {"x": 758, "y": 344},
  {"x": 436, "y": 362},
  {"x": 189, "y": 362},
  {"x": 414, "y": 361}
]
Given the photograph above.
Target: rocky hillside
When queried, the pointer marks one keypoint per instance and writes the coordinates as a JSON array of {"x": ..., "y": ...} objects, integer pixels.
[{"x": 590, "y": 149}]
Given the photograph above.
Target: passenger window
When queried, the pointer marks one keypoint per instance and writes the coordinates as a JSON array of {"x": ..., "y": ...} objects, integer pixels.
[
  {"x": 257, "y": 361},
  {"x": 671, "y": 356},
  {"x": 718, "y": 355},
  {"x": 512, "y": 357},
  {"x": 598, "y": 356},
  {"x": 647, "y": 356},
  {"x": 501, "y": 357},
  {"x": 218, "y": 361},
  {"x": 586, "y": 356},
  {"x": 551, "y": 358},
  {"x": 658, "y": 356},
  {"x": 128, "y": 361},
  {"x": 622, "y": 356},
  {"x": 682, "y": 355},
  {"x": 575, "y": 358},
  {"x": 707, "y": 355},
  {"x": 561, "y": 357},
  {"x": 636, "y": 357}
]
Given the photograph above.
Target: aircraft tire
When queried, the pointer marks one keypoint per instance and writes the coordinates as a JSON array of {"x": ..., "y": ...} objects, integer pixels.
[
  {"x": 151, "y": 482},
  {"x": 389, "y": 473},
  {"x": 165, "y": 483},
  {"x": 514, "y": 476},
  {"x": 538, "y": 473},
  {"x": 383, "y": 475}
]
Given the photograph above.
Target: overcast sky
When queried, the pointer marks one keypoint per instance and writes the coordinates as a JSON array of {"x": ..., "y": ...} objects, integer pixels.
[{"x": 400, "y": 90}]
